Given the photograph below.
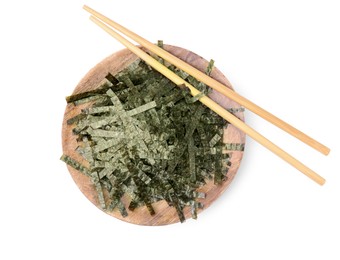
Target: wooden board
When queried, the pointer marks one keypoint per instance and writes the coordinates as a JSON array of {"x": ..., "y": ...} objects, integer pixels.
[{"x": 164, "y": 214}]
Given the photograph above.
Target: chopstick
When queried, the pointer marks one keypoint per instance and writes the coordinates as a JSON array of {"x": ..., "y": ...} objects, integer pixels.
[
  {"x": 213, "y": 84},
  {"x": 212, "y": 105}
]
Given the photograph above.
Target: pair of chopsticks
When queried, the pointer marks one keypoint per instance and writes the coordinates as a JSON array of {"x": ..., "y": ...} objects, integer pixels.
[{"x": 107, "y": 24}]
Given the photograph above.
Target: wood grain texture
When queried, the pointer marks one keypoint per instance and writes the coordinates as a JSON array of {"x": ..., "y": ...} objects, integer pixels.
[{"x": 164, "y": 214}]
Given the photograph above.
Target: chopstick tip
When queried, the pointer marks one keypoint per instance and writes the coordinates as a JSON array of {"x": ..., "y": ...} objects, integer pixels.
[
  {"x": 85, "y": 7},
  {"x": 321, "y": 181},
  {"x": 327, "y": 151},
  {"x": 93, "y": 19}
]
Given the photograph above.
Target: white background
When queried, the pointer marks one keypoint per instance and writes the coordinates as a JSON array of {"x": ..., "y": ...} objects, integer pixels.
[{"x": 283, "y": 55}]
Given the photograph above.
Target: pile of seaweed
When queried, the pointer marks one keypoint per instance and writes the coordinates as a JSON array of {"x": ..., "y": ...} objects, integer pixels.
[{"x": 144, "y": 136}]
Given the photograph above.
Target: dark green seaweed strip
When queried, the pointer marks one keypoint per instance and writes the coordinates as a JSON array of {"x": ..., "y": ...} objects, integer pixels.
[
  {"x": 103, "y": 86},
  {"x": 218, "y": 174},
  {"x": 196, "y": 98},
  {"x": 192, "y": 157},
  {"x": 235, "y": 110},
  {"x": 75, "y": 119},
  {"x": 112, "y": 79},
  {"x": 76, "y": 165},
  {"x": 92, "y": 98},
  {"x": 96, "y": 182},
  {"x": 194, "y": 207},
  {"x": 234, "y": 147},
  {"x": 161, "y": 45},
  {"x": 210, "y": 67}
]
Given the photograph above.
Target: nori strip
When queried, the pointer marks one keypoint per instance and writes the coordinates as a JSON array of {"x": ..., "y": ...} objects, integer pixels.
[
  {"x": 196, "y": 98},
  {"x": 103, "y": 86},
  {"x": 76, "y": 165},
  {"x": 192, "y": 157},
  {"x": 214, "y": 140},
  {"x": 235, "y": 110},
  {"x": 234, "y": 147},
  {"x": 112, "y": 79},
  {"x": 75, "y": 119},
  {"x": 144, "y": 137},
  {"x": 96, "y": 182},
  {"x": 141, "y": 108},
  {"x": 161, "y": 45},
  {"x": 88, "y": 99},
  {"x": 210, "y": 67}
]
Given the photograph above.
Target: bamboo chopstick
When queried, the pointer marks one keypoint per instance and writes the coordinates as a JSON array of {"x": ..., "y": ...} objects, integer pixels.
[
  {"x": 213, "y": 84},
  {"x": 212, "y": 105}
]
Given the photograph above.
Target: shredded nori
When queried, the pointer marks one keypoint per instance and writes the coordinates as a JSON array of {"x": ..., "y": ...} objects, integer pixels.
[{"x": 147, "y": 138}]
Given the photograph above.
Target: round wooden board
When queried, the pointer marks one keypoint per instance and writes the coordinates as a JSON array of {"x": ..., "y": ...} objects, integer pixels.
[{"x": 164, "y": 214}]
